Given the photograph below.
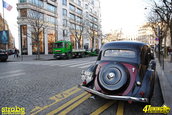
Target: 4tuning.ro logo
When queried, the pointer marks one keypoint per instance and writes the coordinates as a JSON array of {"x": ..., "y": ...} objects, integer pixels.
[{"x": 151, "y": 109}]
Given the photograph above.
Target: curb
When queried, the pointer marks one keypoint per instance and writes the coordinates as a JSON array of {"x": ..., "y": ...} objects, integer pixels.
[{"x": 165, "y": 86}]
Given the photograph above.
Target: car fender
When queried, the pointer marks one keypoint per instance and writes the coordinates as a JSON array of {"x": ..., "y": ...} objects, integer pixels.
[{"x": 147, "y": 83}]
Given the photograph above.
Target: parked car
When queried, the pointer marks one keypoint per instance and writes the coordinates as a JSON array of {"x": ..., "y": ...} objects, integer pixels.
[
  {"x": 10, "y": 51},
  {"x": 123, "y": 71},
  {"x": 3, "y": 55}
]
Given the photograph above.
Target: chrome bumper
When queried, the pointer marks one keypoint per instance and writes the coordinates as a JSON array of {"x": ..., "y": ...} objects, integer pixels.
[{"x": 113, "y": 97}]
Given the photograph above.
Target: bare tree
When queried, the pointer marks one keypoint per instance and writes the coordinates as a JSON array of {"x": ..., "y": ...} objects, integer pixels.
[
  {"x": 76, "y": 31},
  {"x": 163, "y": 8},
  {"x": 159, "y": 27},
  {"x": 37, "y": 22},
  {"x": 92, "y": 30}
]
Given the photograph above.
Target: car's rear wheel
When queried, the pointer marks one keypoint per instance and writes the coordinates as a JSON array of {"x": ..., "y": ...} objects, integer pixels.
[{"x": 113, "y": 78}]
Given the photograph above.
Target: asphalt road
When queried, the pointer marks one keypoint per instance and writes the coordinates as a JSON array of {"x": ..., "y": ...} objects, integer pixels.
[{"x": 50, "y": 87}]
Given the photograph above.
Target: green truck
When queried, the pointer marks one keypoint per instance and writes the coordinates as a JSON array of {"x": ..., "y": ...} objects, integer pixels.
[{"x": 63, "y": 49}]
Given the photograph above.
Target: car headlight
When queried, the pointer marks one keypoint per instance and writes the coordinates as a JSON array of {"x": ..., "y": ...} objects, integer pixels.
[
  {"x": 63, "y": 53},
  {"x": 86, "y": 76}
]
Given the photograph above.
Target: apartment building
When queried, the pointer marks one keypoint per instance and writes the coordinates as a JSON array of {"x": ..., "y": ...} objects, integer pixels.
[
  {"x": 77, "y": 21},
  {"x": 146, "y": 34}
]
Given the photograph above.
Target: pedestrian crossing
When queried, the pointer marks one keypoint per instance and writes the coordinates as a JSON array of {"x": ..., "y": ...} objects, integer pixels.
[
  {"x": 11, "y": 74},
  {"x": 61, "y": 63}
]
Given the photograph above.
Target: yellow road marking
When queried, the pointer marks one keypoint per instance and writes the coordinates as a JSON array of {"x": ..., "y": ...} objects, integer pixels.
[
  {"x": 67, "y": 104},
  {"x": 64, "y": 112},
  {"x": 102, "y": 108},
  {"x": 120, "y": 110},
  {"x": 57, "y": 98}
]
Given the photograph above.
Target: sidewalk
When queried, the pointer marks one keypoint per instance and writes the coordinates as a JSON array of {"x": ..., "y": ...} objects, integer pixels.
[
  {"x": 165, "y": 78},
  {"x": 30, "y": 58},
  {"x": 168, "y": 70}
]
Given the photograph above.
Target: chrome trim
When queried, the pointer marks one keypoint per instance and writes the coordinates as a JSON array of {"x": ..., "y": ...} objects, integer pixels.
[{"x": 113, "y": 97}]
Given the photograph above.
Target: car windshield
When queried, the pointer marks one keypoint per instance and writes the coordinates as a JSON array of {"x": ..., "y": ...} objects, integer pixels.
[
  {"x": 119, "y": 53},
  {"x": 58, "y": 45}
]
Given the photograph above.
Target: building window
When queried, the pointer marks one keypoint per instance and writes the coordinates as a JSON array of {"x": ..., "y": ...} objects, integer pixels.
[
  {"x": 95, "y": 26},
  {"x": 79, "y": 2},
  {"x": 51, "y": 8},
  {"x": 72, "y": 25},
  {"x": 64, "y": 2},
  {"x": 91, "y": 25},
  {"x": 78, "y": 27},
  {"x": 38, "y": 3},
  {"x": 22, "y": 1},
  {"x": 95, "y": 20},
  {"x": 86, "y": 6},
  {"x": 91, "y": 10},
  {"x": 78, "y": 19},
  {"x": 53, "y": 0},
  {"x": 79, "y": 11},
  {"x": 64, "y": 12},
  {"x": 23, "y": 13},
  {"x": 65, "y": 22},
  {"x": 36, "y": 15},
  {"x": 24, "y": 38},
  {"x": 92, "y": 2},
  {"x": 72, "y": 16},
  {"x": 50, "y": 19},
  {"x": 64, "y": 33},
  {"x": 90, "y": 17},
  {"x": 87, "y": 14},
  {"x": 72, "y": 7}
]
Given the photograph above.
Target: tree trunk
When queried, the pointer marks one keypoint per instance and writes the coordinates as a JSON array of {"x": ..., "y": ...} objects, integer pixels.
[
  {"x": 38, "y": 47},
  {"x": 171, "y": 41},
  {"x": 39, "y": 50},
  {"x": 79, "y": 45},
  {"x": 76, "y": 44},
  {"x": 93, "y": 42}
]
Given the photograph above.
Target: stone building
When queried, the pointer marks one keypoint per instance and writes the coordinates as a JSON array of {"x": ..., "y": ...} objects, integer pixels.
[
  {"x": 59, "y": 17},
  {"x": 10, "y": 44}
]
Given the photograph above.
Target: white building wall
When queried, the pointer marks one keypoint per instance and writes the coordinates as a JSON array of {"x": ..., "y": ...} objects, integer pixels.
[
  {"x": 19, "y": 40},
  {"x": 46, "y": 41},
  {"x": 60, "y": 20},
  {"x": 29, "y": 40}
]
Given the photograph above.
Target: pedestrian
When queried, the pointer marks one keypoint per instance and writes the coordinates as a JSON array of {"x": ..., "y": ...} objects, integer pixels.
[{"x": 16, "y": 53}]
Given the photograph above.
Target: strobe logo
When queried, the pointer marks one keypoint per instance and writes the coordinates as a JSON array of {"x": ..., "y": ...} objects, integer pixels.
[{"x": 13, "y": 110}]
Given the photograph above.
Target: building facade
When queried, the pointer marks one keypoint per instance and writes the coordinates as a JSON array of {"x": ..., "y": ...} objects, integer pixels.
[
  {"x": 77, "y": 21},
  {"x": 146, "y": 34},
  {"x": 10, "y": 44}
]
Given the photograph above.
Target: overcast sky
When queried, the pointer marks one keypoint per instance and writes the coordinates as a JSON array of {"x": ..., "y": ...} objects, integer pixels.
[{"x": 122, "y": 14}]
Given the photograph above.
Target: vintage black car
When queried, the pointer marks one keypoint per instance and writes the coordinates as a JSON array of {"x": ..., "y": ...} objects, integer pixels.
[{"x": 123, "y": 71}]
